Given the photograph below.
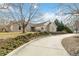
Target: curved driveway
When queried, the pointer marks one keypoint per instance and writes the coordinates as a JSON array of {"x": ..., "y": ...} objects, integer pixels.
[{"x": 47, "y": 46}]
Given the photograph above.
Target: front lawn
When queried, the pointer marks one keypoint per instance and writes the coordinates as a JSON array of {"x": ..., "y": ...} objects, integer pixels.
[{"x": 5, "y": 35}]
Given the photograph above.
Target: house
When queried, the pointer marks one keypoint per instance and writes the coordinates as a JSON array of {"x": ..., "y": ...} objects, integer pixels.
[
  {"x": 16, "y": 26},
  {"x": 12, "y": 26},
  {"x": 45, "y": 26}
]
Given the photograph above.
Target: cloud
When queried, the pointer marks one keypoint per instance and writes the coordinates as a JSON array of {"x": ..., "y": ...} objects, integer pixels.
[
  {"x": 49, "y": 17},
  {"x": 53, "y": 16},
  {"x": 11, "y": 8}
]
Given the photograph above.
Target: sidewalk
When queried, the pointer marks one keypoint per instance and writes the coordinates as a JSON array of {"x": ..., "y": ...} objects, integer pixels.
[{"x": 48, "y": 46}]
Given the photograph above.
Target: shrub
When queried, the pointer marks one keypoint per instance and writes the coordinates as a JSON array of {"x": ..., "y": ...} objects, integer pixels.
[
  {"x": 68, "y": 30},
  {"x": 61, "y": 27}
]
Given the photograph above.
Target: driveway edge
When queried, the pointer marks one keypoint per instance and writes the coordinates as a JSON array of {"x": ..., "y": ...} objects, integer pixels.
[{"x": 19, "y": 48}]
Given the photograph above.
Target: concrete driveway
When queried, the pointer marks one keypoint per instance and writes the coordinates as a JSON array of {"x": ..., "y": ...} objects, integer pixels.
[{"x": 47, "y": 46}]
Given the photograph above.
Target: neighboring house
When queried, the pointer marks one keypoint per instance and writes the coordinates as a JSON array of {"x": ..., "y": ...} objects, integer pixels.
[{"x": 15, "y": 26}]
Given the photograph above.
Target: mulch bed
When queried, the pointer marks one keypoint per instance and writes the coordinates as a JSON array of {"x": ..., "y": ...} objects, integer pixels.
[{"x": 71, "y": 45}]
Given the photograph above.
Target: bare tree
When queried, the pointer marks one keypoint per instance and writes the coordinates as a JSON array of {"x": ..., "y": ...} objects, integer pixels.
[
  {"x": 32, "y": 11},
  {"x": 76, "y": 26},
  {"x": 3, "y": 14},
  {"x": 73, "y": 11}
]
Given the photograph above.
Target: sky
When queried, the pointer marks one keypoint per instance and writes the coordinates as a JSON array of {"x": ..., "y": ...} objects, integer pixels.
[
  {"x": 49, "y": 7},
  {"x": 50, "y": 11},
  {"x": 54, "y": 11}
]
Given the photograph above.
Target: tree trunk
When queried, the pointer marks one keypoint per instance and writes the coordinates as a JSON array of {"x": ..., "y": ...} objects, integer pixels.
[
  {"x": 76, "y": 30},
  {"x": 23, "y": 26}
]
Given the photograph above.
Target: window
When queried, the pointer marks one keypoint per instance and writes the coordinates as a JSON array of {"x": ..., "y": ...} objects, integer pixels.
[{"x": 19, "y": 27}]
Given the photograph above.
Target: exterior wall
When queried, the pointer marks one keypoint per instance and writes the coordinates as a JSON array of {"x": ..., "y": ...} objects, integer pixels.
[
  {"x": 41, "y": 28},
  {"x": 15, "y": 28},
  {"x": 4, "y": 28},
  {"x": 28, "y": 28},
  {"x": 48, "y": 28},
  {"x": 38, "y": 29},
  {"x": 51, "y": 27}
]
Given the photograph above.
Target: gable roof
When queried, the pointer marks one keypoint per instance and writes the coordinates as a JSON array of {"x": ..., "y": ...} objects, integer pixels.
[
  {"x": 38, "y": 24},
  {"x": 42, "y": 24}
]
